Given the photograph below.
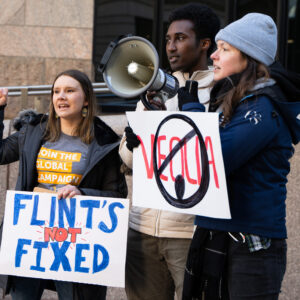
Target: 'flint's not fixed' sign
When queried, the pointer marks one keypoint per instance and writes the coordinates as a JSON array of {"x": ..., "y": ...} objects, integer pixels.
[{"x": 82, "y": 239}]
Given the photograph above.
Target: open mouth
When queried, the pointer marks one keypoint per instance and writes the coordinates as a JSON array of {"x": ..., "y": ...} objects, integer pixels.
[
  {"x": 63, "y": 106},
  {"x": 173, "y": 59}
]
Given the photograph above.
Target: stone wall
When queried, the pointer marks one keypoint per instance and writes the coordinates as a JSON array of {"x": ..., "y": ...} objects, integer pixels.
[
  {"x": 39, "y": 39},
  {"x": 291, "y": 286}
]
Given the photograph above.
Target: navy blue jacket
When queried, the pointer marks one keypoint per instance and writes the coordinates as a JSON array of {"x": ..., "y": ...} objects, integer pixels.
[{"x": 257, "y": 146}]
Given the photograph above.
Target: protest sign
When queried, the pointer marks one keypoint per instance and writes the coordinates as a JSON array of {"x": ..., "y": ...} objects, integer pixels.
[
  {"x": 82, "y": 239},
  {"x": 179, "y": 164}
]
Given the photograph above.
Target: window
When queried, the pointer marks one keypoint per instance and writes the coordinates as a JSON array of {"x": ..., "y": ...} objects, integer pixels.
[
  {"x": 293, "y": 41},
  {"x": 148, "y": 18}
]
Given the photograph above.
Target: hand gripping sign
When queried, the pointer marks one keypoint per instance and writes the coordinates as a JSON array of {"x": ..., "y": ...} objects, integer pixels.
[
  {"x": 82, "y": 239},
  {"x": 179, "y": 165}
]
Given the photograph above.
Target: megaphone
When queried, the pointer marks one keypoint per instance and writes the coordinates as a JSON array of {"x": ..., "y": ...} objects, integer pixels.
[{"x": 130, "y": 67}]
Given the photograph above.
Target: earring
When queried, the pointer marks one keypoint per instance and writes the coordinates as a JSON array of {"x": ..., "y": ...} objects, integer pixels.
[
  {"x": 84, "y": 112},
  {"x": 56, "y": 116}
]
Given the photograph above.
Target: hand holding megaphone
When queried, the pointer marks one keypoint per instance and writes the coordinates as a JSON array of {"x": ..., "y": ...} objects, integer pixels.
[
  {"x": 155, "y": 101},
  {"x": 130, "y": 68},
  {"x": 188, "y": 93}
]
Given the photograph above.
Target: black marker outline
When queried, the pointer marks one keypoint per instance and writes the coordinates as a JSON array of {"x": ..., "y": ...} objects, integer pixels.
[{"x": 200, "y": 193}]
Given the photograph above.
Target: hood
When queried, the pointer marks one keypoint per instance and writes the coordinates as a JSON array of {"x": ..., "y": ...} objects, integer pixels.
[
  {"x": 27, "y": 116},
  {"x": 287, "y": 89},
  {"x": 285, "y": 94},
  {"x": 262, "y": 83},
  {"x": 290, "y": 110},
  {"x": 289, "y": 82}
]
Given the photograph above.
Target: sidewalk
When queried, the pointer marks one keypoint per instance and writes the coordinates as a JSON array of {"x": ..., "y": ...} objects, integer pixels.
[{"x": 112, "y": 294}]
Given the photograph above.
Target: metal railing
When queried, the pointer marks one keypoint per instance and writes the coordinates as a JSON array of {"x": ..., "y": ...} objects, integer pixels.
[
  {"x": 37, "y": 90},
  {"x": 40, "y": 90}
]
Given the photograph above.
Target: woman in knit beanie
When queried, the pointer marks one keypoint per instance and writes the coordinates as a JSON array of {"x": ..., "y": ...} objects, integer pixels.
[{"x": 245, "y": 257}]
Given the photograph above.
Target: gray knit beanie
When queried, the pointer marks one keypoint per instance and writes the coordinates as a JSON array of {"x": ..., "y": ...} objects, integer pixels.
[{"x": 255, "y": 34}]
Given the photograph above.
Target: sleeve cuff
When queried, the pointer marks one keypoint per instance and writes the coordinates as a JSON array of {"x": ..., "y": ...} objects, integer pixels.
[
  {"x": 193, "y": 106},
  {"x": 2, "y": 106}
]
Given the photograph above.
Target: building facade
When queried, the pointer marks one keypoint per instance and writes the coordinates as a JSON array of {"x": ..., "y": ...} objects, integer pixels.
[{"x": 39, "y": 38}]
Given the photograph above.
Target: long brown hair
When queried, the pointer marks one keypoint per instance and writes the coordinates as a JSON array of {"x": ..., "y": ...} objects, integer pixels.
[
  {"x": 85, "y": 129},
  {"x": 249, "y": 76}
]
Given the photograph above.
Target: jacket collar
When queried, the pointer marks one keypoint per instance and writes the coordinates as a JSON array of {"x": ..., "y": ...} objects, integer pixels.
[
  {"x": 106, "y": 140},
  {"x": 103, "y": 133},
  {"x": 204, "y": 77},
  {"x": 262, "y": 83}
]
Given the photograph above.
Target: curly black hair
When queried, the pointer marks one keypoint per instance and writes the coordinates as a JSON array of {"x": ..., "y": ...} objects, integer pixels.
[{"x": 206, "y": 22}]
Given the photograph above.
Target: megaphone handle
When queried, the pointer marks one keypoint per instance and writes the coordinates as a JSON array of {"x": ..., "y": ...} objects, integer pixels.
[
  {"x": 100, "y": 67},
  {"x": 158, "y": 99},
  {"x": 146, "y": 103}
]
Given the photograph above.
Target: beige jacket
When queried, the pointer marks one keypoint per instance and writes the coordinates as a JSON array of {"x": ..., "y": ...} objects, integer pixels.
[{"x": 162, "y": 223}]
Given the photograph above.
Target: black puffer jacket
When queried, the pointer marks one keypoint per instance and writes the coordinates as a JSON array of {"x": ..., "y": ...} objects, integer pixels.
[{"x": 102, "y": 176}]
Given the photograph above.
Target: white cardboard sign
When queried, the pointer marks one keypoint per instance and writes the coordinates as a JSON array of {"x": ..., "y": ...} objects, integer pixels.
[
  {"x": 82, "y": 239},
  {"x": 187, "y": 175}
]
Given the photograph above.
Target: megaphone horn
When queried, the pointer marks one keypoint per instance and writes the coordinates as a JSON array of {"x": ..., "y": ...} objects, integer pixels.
[{"x": 131, "y": 68}]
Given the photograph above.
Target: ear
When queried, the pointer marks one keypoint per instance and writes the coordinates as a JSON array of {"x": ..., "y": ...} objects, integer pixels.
[{"x": 205, "y": 44}]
